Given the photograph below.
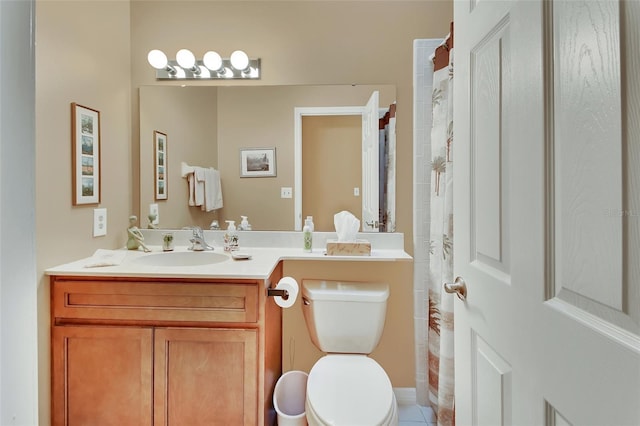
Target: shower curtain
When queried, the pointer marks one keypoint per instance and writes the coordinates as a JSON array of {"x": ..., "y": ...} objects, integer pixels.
[
  {"x": 387, "y": 170},
  {"x": 440, "y": 334}
]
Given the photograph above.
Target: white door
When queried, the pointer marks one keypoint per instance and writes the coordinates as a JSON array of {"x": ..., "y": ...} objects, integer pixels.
[
  {"x": 370, "y": 158},
  {"x": 546, "y": 212}
]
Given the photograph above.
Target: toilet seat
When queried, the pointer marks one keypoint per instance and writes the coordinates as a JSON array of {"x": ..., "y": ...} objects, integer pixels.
[{"x": 349, "y": 390}]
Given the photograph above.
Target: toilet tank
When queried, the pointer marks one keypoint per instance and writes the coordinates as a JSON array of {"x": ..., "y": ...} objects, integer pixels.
[{"x": 344, "y": 317}]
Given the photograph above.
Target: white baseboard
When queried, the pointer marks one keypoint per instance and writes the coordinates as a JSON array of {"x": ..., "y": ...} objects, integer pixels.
[{"x": 405, "y": 396}]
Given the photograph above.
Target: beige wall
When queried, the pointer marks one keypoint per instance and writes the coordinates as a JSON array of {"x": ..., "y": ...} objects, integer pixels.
[
  {"x": 188, "y": 116},
  {"x": 303, "y": 42},
  {"x": 263, "y": 117},
  {"x": 395, "y": 353},
  {"x": 332, "y": 167},
  {"x": 82, "y": 55},
  {"x": 94, "y": 53}
]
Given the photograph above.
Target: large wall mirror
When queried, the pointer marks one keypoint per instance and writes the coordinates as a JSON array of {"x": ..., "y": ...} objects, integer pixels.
[{"x": 208, "y": 126}]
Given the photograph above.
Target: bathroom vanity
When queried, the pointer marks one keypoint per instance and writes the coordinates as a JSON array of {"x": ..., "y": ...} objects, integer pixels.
[
  {"x": 153, "y": 342},
  {"x": 143, "y": 351}
]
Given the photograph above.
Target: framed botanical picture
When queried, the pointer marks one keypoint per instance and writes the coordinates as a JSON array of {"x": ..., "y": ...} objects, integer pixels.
[
  {"x": 160, "y": 165},
  {"x": 85, "y": 152},
  {"x": 257, "y": 162}
]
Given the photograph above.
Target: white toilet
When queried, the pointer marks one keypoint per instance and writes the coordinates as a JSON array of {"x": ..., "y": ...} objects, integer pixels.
[{"x": 346, "y": 387}]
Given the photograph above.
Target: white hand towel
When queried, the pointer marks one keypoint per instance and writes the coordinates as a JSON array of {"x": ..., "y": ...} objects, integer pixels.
[
  {"x": 212, "y": 190},
  {"x": 199, "y": 174},
  {"x": 192, "y": 185},
  {"x": 217, "y": 186},
  {"x": 105, "y": 258}
]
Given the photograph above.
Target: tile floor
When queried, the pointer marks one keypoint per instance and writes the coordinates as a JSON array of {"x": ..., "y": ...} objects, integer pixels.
[{"x": 415, "y": 415}]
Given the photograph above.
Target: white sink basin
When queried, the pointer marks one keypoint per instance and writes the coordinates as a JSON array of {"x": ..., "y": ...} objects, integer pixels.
[{"x": 182, "y": 258}]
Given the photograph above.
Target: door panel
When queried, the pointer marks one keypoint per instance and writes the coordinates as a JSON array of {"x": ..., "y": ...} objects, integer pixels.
[
  {"x": 490, "y": 175},
  {"x": 370, "y": 160},
  {"x": 482, "y": 255},
  {"x": 545, "y": 211},
  {"x": 101, "y": 376},
  {"x": 222, "y": 361},
  {"x": 587, "y": 112},
  {"x": 492, "y": 382}
]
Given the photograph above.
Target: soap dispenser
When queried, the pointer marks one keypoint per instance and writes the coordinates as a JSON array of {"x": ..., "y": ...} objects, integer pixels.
[
  {"x": 244, "y": 224},
  {"x": 231, "y": 236}
]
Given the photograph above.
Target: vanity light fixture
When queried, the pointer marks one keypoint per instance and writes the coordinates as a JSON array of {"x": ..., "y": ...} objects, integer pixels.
[
  {"x": 212, "y": 66},
  {"x": 187, "y": 60},
  {"x": 159, "y": 61}
]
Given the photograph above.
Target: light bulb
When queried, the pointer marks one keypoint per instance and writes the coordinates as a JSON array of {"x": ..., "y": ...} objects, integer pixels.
[
  {"x": 204, "y": 72},
  {"x": 157, "y": 59},
  {"x": 180, "y": 73},
  {"x": 185, "y": 58},
  {"x": 239, "y": 60},
  {"x": 212, "y": 60}
]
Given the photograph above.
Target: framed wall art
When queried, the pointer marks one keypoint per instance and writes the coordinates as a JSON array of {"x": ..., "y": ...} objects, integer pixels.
[
  {"x": 160, "y": 162},
  {"x": 257, "y": 162},
  {"x": 85, "y": 151}
]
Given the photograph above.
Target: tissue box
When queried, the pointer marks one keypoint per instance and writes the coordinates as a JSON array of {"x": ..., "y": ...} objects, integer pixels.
[{"x": 357, "y": 248}]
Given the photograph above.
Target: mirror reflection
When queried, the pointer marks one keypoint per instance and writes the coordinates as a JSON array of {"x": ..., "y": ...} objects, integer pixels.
[{"x": 215, "y": 127}]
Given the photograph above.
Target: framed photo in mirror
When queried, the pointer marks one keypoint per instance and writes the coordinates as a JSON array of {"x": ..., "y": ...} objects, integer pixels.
[
  {"x": 85, "y": 152},
  {"x": 257, "y": 162},
  {"x": 160, "y": 162}
]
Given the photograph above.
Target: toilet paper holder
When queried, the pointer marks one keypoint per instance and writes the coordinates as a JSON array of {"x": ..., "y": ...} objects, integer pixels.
[{"x": 278, "y": 292}]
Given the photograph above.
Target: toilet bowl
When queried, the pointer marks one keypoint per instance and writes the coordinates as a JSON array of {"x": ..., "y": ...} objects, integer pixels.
[
  {"x": 346, "y": 387},
  {"x": 349, "y": 390}
]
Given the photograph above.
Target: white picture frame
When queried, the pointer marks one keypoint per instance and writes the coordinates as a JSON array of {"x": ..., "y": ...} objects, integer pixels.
[{"x": 257, "y": 162}]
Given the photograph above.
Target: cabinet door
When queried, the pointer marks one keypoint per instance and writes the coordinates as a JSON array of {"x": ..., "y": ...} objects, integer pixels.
[
  {"x": 101, "y": 376},
  {"x": 205, "y": 377}
]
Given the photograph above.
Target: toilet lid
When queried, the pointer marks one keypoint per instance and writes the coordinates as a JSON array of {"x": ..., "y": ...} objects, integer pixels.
[{"x": 349, "y": 390}]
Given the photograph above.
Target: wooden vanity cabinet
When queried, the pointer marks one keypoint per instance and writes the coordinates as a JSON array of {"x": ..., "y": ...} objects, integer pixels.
[{"x": 150, "y": 351}]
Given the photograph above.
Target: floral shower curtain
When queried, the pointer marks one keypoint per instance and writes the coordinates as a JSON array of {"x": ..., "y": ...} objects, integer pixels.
[{"x": 440, "y": 335}]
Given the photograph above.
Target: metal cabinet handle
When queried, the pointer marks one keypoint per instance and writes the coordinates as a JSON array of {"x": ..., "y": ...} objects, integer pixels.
[{"x": 459, "y": 287}]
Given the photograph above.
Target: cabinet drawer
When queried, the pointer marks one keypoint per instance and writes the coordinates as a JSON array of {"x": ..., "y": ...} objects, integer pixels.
[{"x": 154, "y": 301}]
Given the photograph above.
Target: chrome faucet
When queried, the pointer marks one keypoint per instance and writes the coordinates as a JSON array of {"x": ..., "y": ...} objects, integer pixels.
[{"x": 197, "y": 240}]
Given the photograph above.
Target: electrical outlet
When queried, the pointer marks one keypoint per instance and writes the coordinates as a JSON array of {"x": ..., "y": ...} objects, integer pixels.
[
  {"x": 286, "y": 192},
  {"x": 99, "y": 222},
  {"x": 153, "y": 209}
]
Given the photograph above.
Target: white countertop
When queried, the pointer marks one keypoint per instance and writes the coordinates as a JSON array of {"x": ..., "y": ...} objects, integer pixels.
[{"x": 262, "y": 263}]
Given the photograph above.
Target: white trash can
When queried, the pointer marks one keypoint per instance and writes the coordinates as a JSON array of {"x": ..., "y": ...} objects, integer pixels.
[{"x": 289, "y": 397}]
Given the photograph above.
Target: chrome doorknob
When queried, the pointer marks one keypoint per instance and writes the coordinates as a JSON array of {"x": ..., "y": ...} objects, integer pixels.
[{"x": 459, "y": 287}]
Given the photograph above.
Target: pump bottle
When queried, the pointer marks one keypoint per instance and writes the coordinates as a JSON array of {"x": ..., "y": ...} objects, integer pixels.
[
  {"x": 231, "y": 236},
  {"x": 244, "y": 224},
  {"x": 307, "y": 234}
]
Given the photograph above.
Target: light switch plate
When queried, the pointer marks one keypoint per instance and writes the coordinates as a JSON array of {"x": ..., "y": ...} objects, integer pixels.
[
  {"x": 99, "y": 222},
  {"x": 286, "y": 192},
  {"x": 153, "y": 209},
  {"x": 356, "y": 192}
]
